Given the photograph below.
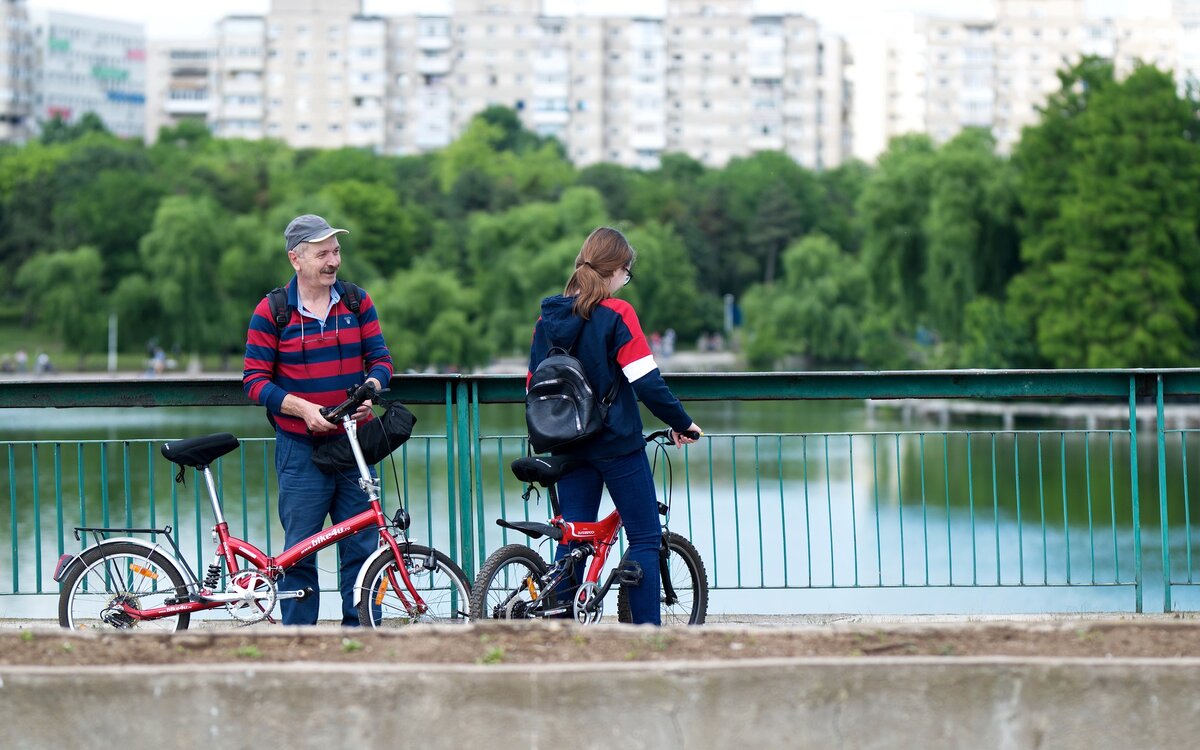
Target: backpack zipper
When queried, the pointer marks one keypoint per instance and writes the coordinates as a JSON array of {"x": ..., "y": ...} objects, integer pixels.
[{"x": 578, "y": 423}]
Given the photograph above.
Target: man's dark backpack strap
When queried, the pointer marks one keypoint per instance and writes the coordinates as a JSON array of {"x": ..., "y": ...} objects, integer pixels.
[
  {"x": 281, "y": 311},
  {"x": 352, "y": 294}
]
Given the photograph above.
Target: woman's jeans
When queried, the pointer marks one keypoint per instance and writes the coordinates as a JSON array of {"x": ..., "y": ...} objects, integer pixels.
[
  {"x": 631, "y": 487},
  {"x": 306, "y": 497}
]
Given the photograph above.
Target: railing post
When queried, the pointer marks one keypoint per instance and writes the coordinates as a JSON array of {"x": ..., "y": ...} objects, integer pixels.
[
  {"x": 1133, "y": 490},
  {"x": 451, "y": 505},
  {"x": 1160, "y": 434},
  {"x": 477, "y": 446},
  {"x": 462, "y": 412}
]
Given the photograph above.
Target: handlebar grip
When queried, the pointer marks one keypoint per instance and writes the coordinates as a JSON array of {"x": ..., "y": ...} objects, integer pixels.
[
  {"x": 357, "y": 395},
  {"x": 691, "y": 434}
]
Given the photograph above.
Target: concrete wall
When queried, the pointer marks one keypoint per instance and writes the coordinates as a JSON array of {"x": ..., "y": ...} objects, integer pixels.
[{"x": 786, "y": 703}]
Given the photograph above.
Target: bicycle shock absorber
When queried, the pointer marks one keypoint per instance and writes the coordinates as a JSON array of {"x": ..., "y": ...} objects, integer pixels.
[{"x": 213, "y": 577}]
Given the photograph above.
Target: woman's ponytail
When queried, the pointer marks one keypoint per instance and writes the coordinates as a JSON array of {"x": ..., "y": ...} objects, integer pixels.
[{"x": 604, "y": 252}]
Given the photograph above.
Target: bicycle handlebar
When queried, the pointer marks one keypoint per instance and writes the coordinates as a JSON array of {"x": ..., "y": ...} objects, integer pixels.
[
  {"x": 357, "y": 395},
  {"x": 669, "y": 434}
]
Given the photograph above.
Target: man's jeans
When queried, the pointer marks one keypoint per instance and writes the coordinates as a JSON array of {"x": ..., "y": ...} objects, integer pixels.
[
  {"x": 631, "y": 487},
  {"x": 306, "y": 497}
]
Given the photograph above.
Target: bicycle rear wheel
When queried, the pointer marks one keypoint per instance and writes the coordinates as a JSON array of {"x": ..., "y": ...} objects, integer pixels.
[
  {"x": 501, "y": 590},
  {"x": 441, "y": 583},
  {"x": 689, "y": 579},
  {"x": 121, "y": 573}
]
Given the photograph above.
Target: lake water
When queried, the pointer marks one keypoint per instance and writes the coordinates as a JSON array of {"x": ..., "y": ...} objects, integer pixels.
[{"x": 806, "y": 518}]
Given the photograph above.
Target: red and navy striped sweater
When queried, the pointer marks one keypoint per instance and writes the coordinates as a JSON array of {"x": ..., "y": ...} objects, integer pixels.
[
  {"x": 310, "y": 361},
  {"x": 610, "y": 344}
]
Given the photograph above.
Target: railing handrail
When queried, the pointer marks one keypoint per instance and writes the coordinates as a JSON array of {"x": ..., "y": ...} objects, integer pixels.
[{"x": 226, "y": 389}]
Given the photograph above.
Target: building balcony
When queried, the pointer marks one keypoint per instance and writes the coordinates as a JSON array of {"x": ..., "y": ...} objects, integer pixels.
[
  {"x": 187, "y": 106},
  {"x": 551, "y": 117},
  {"x": 433, "y": 65},
  {"x": 655, "y": 141},
  {"x": 438, "y": 43}
]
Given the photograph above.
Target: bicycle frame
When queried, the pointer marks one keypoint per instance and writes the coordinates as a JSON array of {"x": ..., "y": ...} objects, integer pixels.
[
  {"x": 601, "y": 535},
  {"x": 230, "y": 548}
]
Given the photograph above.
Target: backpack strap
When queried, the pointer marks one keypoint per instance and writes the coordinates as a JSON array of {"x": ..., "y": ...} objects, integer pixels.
[
  {"x": 281, "y": 311},
  {"x": 352, "y": 294},
  {"x": 611, "y": 396}
]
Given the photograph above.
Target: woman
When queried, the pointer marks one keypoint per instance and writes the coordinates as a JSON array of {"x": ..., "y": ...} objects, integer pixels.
[{"x": 603, "y": 333}]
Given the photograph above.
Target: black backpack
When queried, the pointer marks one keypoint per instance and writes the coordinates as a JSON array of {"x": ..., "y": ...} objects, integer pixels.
[
  {"x": 561, "y": 407},
  {"x": 281, "y": 311}
]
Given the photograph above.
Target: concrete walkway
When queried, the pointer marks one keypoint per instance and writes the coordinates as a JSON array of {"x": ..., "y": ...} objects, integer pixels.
[{"x": 805, "y": 702}]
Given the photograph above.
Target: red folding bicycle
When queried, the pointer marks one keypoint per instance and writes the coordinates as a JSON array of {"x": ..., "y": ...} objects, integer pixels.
[
  {"x": 129, "y": 583},
  {"x": 515, "y": 583}
]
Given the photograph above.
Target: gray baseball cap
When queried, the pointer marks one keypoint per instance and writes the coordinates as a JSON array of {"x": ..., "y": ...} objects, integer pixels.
[{"x": 309, "y": 228}]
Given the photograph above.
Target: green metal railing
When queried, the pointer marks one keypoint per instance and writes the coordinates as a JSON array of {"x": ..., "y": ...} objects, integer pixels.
[{"x": 900, "y": 511}]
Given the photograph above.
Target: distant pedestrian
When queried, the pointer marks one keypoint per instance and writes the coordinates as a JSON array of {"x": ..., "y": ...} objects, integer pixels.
[{"x": 22, "y": 361}]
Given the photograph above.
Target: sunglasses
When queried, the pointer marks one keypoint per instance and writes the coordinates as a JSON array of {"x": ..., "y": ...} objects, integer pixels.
[{"x": 628, "y": 275}]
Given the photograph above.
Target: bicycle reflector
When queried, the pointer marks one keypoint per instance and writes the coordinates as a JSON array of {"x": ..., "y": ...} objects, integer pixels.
[{"x": 144, "y": 572}]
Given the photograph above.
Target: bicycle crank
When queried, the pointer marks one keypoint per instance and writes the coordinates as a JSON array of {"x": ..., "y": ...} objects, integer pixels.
[
  {"x": 256, "y": 596},
  {"x": 589, "y": 607}
]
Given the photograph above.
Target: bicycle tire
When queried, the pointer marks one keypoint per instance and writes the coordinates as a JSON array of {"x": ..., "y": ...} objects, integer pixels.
[
  {"x": 87, "y": 593},
  {"x": 441, "y": 583},
  {"x": 689, "y": 579},
  {"x": 485, "y": 600}
]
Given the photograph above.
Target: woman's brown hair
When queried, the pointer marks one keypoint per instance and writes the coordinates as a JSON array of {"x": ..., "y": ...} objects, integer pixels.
[{"x": 604, "y": 252}]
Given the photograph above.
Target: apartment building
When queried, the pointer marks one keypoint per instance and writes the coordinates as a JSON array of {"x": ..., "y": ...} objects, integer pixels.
[
  {"x": 16, "y": 73},
  {"x": 708, "y": 78},
  {"x": 86, "y": 64},
  {"x": 178, "y": 83},
  {"x": 953, "y": 73}
]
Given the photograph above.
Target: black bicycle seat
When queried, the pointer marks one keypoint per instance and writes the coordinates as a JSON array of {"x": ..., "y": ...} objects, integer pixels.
[
  {"x": 545, "y": 470},
  {"x": 200, "y": 451},
  {"x": 534, "y": 529}
]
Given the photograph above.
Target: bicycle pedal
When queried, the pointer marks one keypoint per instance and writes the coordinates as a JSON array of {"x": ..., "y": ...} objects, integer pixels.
[{"x": 630, "y": 573}]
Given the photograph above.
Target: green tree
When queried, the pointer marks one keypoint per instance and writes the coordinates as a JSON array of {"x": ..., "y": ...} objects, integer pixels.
[
  {"x": 58, "y": 130},
  {"x": 1113, "y": 279},
  {"x": 54, "y": 285},
  {"x": 430, "y": 319},
  {"x": 387, "y": 233},
  {"x": 893, "y": 210},
  {"x": 179, "y": 254},
  {"x": 814, "y": 311},
  {"x": 972, "y": 245}
]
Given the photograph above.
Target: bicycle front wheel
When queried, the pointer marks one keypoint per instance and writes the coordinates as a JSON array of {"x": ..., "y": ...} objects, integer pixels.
[
  {"x": 503, "y": 590},
  {"x": 685, "y": 569},
  {"x": 441, "y": 583},
  {"x": 108, "y": 578}
]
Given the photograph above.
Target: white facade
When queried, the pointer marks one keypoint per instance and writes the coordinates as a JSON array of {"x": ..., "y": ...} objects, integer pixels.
[
  {"x": 16, "y": 72},
  {"x": 953, "y": 73},
  {"x": 239, "y": 78},
  {"x": 87, "y": 64},
  {"x": 707, "y": 78},
  {"x": 178, "y": 83}
]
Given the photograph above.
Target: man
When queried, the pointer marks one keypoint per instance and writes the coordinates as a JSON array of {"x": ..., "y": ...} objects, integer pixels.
[{"x": 324, "y": 348}]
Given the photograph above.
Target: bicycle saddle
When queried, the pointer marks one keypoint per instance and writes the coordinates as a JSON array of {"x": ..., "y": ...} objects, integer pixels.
[
  {"x": 201, "y": 451},
  {"x": 545, "y": 470}
]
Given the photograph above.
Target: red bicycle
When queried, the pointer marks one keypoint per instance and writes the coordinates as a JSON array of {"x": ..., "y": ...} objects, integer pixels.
[
  {"x": 128, "y": 583},
  {"x": 516, "y": 583}
]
